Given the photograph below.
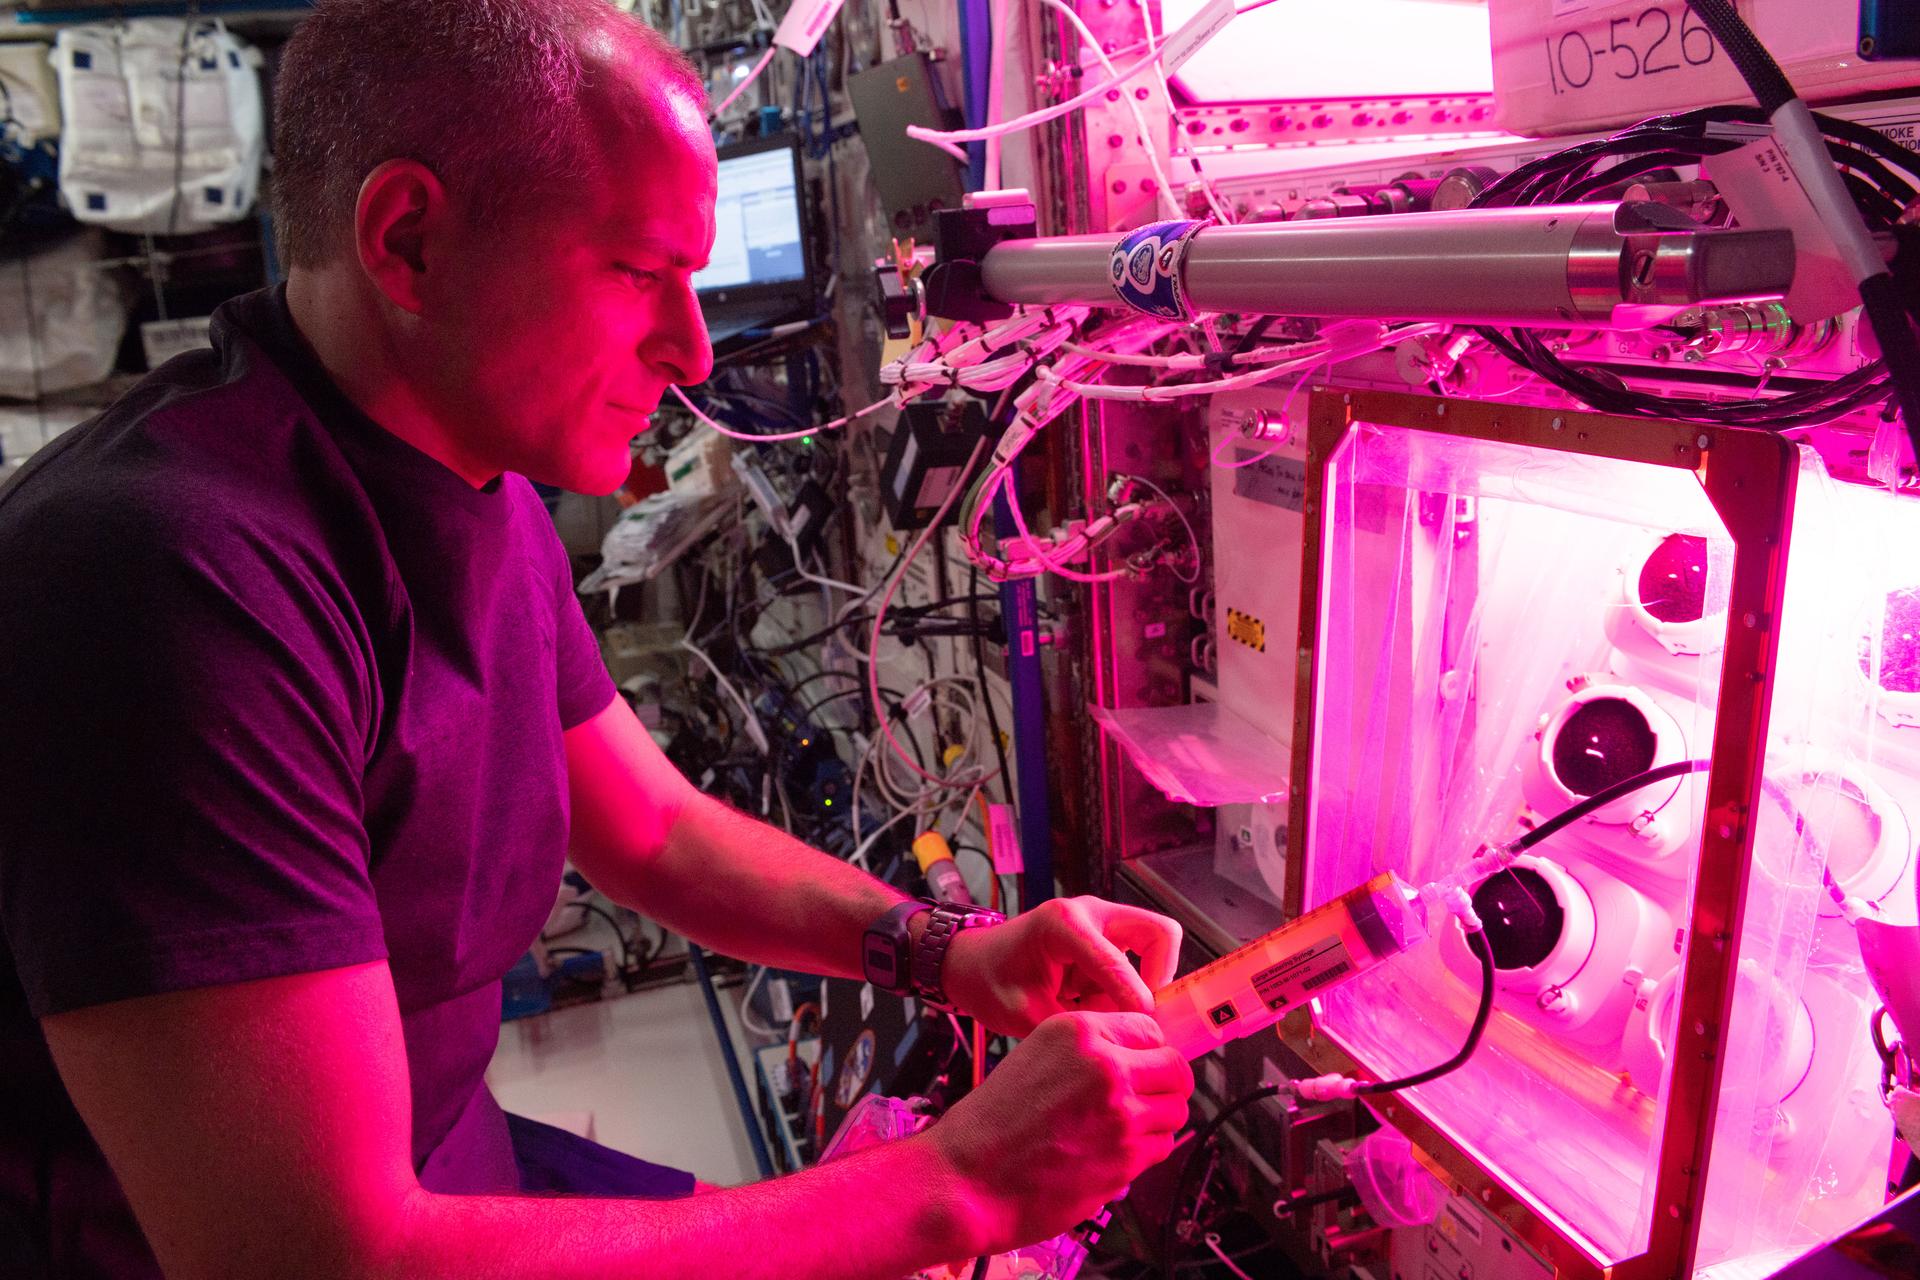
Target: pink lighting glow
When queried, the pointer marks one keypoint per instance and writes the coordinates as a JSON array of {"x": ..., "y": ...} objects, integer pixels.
[
  {"x": 1503, "y": 630},
  {"x": 1309, "y": 50}
]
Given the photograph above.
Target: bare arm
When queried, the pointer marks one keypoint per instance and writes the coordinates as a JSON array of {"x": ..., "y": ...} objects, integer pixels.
[
  {"x": 261, "y": 1129},
  {"x": 647, "y": 839}
]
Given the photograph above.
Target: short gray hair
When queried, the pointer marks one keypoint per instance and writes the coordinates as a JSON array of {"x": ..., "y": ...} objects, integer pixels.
[{"x": 486, "y": 93}]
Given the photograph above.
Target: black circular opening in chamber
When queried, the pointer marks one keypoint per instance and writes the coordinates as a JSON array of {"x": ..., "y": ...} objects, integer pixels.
[
  {"x": 1521, "y": 915},
  {"x": 1607, "y": 740},
  {"x": 1673, "y": 581},
  {"x": 1899, "y": 643}
]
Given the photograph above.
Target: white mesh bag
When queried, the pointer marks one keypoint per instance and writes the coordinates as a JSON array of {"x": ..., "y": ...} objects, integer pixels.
[{"x": 124, "y": 162}]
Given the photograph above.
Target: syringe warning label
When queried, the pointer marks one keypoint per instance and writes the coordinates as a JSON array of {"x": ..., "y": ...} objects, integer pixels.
[{"x": 1296, "y": 978}]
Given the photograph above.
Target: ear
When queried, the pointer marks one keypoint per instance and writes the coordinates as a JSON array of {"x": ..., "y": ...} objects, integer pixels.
[{"x": 401, "y": 204}]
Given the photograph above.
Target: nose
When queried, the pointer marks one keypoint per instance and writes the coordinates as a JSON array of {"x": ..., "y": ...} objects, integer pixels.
[{"x": 679, "y": 348}]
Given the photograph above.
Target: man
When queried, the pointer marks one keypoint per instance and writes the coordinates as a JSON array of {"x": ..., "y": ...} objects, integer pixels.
[{"x": 299, "y": 714}]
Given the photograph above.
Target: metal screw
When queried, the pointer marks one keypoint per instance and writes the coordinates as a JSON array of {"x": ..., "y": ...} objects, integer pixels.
[
  {"x": 1701, "y": 442},
  {"x": 1440, "y": 411},
  {"x": 1558, "y": 424}
]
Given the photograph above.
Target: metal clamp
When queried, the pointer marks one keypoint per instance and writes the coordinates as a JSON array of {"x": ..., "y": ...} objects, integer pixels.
[{"x": 1896, "y": 1065}]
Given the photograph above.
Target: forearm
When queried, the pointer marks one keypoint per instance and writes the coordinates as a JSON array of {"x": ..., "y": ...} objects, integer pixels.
[
  {"x": 749, "y": 890},
  {"x": 826, "y": 1222}
]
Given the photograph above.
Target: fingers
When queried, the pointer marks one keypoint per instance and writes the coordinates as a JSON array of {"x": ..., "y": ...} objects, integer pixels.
[
  {"x": 1077, "y": 941},
  {"x": 1161, "y": 1115},
  {"x": 1128, "y": 1029},
  {"x": 1148, "y": 934},
  {"x": 1161, "y": 1073}
]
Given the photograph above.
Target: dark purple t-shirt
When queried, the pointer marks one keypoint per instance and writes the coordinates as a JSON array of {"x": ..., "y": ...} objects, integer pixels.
[{"x": 278, "y": 693}]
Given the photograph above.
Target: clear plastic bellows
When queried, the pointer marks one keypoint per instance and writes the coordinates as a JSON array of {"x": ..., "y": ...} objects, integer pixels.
[{"x": 1504, "y": 632}]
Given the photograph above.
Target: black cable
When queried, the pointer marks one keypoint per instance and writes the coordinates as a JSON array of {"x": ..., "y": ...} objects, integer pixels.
[
  {"x": 1476, "y": 943},
  {"x": 1887, "y": 314},
  {"x": 812, "y": 709},
  {"x": 1202, "y": 1136},
  {"x": 626, "y": 948},
  {"x": 1750, "y": 58},
  {"x": 1601, "y": 799},
  {"x": 1872, "y": 168}
]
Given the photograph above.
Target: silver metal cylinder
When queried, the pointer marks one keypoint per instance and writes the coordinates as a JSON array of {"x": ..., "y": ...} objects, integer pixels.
[{"x": 1553, "y": 265}]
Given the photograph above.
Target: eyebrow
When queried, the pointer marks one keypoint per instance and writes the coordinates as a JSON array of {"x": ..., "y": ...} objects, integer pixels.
[{"x": 641, "y": 240}]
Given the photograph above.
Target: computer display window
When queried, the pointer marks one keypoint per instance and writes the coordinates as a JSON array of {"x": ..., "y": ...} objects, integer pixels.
[{"x": 757, "y": 237}]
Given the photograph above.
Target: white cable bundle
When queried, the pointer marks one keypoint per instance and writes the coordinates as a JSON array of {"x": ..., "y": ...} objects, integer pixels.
[{"x": 125, "y": 91}]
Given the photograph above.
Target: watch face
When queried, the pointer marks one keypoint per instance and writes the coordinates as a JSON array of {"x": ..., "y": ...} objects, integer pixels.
[{"x": 883, "y": 964}]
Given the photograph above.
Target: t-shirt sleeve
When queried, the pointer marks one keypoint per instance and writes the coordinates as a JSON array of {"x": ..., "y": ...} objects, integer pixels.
[
  {"x": 187, "y": 716},
  {"x": 581, "y": 680}
]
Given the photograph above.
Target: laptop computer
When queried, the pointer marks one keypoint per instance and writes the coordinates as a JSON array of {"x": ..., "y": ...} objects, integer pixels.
[{"x": 759, "y": 274}]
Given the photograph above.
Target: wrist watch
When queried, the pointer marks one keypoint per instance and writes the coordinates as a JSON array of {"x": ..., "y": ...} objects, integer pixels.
[
  {"x": 886, "y": 951},
  {"x": 891, "y": 961},
  {"x": 930, "y": 956}
]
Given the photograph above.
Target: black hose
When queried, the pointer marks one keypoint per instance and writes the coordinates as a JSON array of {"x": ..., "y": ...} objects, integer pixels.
[
  {"x": 1756, "y": 66},
  {"x": 1880, "y": 176},
  {"x": 1601, "y": 799},
  {"x": 1476, "y": 943},
  {"x": 1887, "y": 313}
]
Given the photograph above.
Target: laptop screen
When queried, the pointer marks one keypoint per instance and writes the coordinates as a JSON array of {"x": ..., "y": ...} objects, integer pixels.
[{"x": 757, "y": 230}]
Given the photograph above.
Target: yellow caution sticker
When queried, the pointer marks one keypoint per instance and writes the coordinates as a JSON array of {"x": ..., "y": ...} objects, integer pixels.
[{"x": 1247, "y": 629}]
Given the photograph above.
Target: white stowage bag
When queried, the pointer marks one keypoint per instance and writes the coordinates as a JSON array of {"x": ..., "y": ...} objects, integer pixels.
[
  {"x": 31, "y": 91},
  {"x": 124, "y": 87},
  {"x": 79, "y": 316}
]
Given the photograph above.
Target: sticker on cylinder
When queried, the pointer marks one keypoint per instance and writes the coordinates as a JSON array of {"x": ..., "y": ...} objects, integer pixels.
[
  {"x": 1145, "y": 267},
  {"x": 1297, "y": 977}
]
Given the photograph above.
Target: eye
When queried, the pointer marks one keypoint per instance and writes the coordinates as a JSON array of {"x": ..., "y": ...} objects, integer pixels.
[{"x": 639, "y": 275}]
